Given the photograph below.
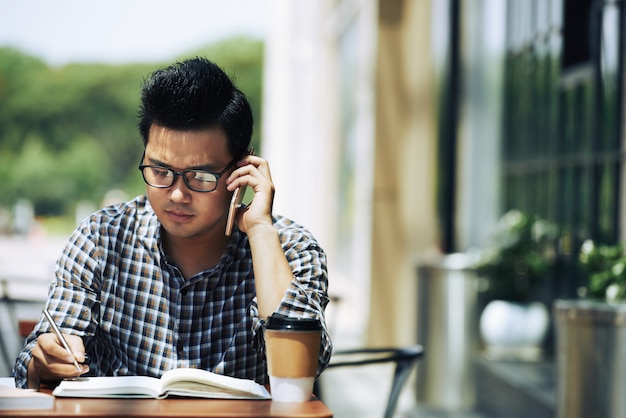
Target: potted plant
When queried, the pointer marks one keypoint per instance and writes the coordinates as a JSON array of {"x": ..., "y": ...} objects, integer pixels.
[
  {"x": 512, "y": 272},
  {"x": 605, "y": 270},
  {"x": 591, "y": 337}
]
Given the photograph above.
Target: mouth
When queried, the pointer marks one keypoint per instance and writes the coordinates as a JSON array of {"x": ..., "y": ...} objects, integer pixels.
[{"x": 178, "y": 216}]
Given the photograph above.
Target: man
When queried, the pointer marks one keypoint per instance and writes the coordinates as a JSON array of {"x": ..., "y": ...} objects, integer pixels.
[{"x": 155, "y": 283}]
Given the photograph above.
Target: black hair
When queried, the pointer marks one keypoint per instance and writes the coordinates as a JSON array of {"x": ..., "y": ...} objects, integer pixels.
[{"x": 196, "y": 94}]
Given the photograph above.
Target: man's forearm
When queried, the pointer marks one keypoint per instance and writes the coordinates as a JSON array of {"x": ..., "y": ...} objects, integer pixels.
[{"x": 272, "y": 273}]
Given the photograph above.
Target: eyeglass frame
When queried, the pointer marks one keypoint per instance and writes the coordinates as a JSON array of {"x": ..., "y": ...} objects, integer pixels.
[{"x": 175, "y": 173}]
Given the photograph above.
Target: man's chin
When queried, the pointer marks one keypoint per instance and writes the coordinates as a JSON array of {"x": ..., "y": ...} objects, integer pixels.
[{"x": 184, "y": 231}]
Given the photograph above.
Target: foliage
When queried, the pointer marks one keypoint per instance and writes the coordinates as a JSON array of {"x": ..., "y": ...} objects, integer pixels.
[
  {"x": 76, "y": 172},
  {"x": 69, "y": 133},
  {"x": 521, "y": 257},
  {"x": 605, "y": 267}
]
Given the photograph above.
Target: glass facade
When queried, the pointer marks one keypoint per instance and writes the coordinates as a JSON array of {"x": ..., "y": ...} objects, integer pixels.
[{"x": 562, "y": 148}]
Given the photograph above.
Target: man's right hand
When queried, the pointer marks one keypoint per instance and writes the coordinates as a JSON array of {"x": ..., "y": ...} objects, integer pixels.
[{"x": 51, "y": 361}]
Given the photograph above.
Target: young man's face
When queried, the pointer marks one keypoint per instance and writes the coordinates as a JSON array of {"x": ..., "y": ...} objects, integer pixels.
[{"x": 185, "y": 213}]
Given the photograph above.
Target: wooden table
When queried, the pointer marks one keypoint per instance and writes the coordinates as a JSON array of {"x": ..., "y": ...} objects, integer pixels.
[
  {"x": 173, "y": 407},
  {"x": 179, "y": 408}
]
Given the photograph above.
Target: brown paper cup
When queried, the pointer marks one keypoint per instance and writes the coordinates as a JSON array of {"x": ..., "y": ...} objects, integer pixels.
[{"x": 292, "y": 350}]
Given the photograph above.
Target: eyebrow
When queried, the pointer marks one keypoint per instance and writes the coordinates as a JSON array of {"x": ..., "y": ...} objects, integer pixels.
[{"x": 199, "y": 167}]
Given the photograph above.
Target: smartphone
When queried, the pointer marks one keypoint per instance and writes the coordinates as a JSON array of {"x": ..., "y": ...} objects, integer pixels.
[{"x": 235, "y": 202}]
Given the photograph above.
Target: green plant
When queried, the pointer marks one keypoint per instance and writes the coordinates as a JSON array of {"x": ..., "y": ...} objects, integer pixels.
[
  {"x": 520, "y": 258},
  {"x": 605, "y": 268}
]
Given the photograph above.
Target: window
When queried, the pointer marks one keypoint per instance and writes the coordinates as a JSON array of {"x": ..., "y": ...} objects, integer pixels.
[{"x": 561, "y": 141}]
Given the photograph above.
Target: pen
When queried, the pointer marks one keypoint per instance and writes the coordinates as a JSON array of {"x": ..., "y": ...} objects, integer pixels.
[{"x": 57, "y": 331}]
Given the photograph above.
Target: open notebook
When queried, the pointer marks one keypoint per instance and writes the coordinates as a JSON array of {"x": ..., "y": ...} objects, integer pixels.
[{"x": 185, "y": 382}]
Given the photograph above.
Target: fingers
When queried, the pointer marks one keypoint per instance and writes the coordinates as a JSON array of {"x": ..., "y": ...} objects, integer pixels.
[
  {"x": 254, "y": 172},
  {"x": 261, "y": 164},
  {"x": 50, "y": 344},
  {"x": 248, "y": 169},
  {"x": 53, "y": 361},
  {"x": 77, "y": 346}
]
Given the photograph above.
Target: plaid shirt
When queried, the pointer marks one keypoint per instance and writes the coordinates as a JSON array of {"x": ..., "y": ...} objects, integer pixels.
[{"x": 138, "y": 315}]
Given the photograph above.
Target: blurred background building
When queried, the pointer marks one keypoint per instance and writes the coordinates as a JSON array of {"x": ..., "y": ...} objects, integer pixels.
[
  {"x": 404, "y": 128},
  {"x": 402, "y": 131}
]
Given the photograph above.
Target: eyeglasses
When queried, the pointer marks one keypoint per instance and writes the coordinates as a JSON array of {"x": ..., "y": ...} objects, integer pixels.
[{"x": 196, "y": 180}]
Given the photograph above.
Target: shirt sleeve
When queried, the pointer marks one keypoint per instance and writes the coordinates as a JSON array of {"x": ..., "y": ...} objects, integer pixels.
[
  {"x": 71, "y": 299},
  {"x": 307, "y": 295}
]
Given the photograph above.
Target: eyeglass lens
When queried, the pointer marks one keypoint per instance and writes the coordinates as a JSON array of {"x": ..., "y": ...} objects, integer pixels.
[{"x": 195, "y": 180}]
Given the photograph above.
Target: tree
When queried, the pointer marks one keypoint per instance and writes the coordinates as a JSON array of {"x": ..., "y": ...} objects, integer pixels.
[{"x": 70, "y": 133}]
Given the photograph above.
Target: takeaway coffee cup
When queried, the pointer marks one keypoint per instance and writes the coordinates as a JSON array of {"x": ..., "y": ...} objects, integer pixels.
[{"x": 292, "y": 347}]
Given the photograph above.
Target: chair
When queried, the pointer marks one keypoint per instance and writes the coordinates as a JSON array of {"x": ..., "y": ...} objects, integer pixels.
[
  {"x": 404, "y": 359},
  {"x": 9, "y": 304},
  {"x": 25, "y": 326}
]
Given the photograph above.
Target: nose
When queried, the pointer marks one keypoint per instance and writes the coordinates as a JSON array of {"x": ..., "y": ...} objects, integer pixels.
[{"x": 179, "y": 191}]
